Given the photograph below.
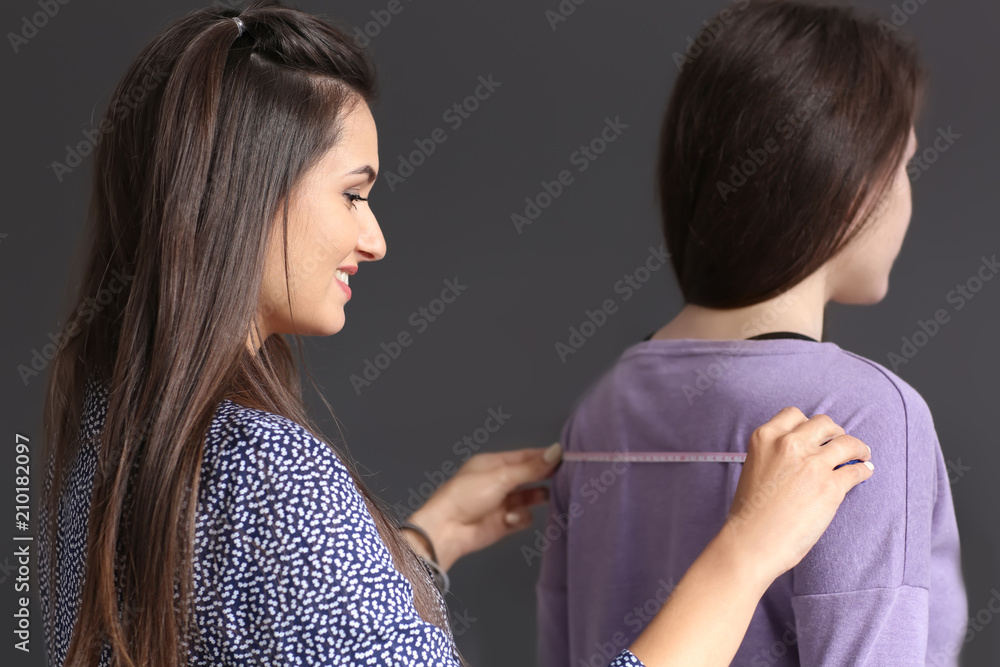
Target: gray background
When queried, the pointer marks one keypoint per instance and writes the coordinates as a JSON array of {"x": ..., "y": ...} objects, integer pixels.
[{"x": 494, "y": 346}]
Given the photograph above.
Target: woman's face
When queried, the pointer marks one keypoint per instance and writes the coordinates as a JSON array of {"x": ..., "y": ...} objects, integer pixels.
[
  {"x": 859, "y": 274},
  {"x": 330, "y": 233}
]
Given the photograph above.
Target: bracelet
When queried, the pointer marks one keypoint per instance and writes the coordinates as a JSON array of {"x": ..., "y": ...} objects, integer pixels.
[
  {"x": 440, "y": 577},
  {"x": 422, "y": 533}
]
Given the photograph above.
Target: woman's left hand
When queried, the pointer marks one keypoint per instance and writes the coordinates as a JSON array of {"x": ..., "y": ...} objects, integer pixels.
[{"x": 482, "y": 503}]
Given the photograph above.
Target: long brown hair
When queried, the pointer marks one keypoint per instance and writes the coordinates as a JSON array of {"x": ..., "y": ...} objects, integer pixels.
[
  {"x": 187, "y": 187},
  {"x": 783, "y": 132}
]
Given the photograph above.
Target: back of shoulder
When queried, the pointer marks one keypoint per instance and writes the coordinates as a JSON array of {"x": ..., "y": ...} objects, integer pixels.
[{"x": 888, "y": 389}]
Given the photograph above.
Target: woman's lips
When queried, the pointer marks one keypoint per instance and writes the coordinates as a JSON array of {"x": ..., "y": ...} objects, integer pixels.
[{"x": 342, "y": 277}]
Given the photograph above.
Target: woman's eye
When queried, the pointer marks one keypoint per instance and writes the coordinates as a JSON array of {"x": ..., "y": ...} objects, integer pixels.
[{"x": 354, "y": 198}]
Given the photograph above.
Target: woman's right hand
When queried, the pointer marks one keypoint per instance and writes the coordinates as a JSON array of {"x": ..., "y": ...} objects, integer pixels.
[
  {"x": 786, "y": 498},
  {"x": 789, "y": 491}
]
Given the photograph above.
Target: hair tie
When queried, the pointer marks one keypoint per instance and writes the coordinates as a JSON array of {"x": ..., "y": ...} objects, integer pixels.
[{"x": 239, "y": 24}]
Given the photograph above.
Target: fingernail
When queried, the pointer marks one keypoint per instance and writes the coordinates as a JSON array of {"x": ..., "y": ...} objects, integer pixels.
[
  {"x": 870, "y": 465},
  {"x": 553, "y": 453},
  {"x": 869, "y": 450},
  {"x": 512, "y": 518}
]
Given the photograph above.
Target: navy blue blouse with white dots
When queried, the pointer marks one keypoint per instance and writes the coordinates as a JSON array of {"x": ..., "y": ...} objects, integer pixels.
[{"x": 289, "y": 567}]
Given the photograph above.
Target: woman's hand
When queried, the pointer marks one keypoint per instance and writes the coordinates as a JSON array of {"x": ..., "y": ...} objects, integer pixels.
[
  {"x": 482, "y": 503},
  {"x": 789, "y": 491},
  {"x": 787, "y": 495}
]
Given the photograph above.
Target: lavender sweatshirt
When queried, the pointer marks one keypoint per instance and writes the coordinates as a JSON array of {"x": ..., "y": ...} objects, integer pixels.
[{"x": 882, "y": 587}]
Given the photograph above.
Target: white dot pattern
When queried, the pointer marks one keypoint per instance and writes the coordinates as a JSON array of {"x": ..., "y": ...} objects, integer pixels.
[{"x": 289, "y": 568}]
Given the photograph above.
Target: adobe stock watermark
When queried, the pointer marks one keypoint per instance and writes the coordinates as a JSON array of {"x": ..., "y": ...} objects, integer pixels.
[
  {"x": 923, "y": 160},
  {"x": 239, "y": 5},
  {"x": 626, "y": 287},
  {"x": 31, "y": 25},
  {"x": 635, "y": 620},
  {"x": 786, "y": 127},
  {"x": 956, "y": 470},
  {"x": 590, "y": 490},
  {"x": 419, "y": 320},
  {"x": 87, "y": 310},
  {"x": 460, "y": 622},
  {"x": 455, "y": 116},
  {"x": 381, "y": 18},
  {"x": 778, "y": 649},
  {"x": 737, "y": 517},
  {"x": 463, "y": 449},
  {"x": 697, "y": 46},
  {"x": 6, "y": 569},
  {"x": 121, "y": 107},
  {"x": 561, "y": 12},
  {"x": 958, "y": 298},
  {"x": 763, "y": 322},
  {"x": 975, "y": 624},
  {"x": 581, "y": 158},
  {"x": 900, "y": 14}
]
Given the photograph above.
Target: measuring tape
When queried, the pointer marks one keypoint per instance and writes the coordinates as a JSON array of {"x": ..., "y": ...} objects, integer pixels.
[
  {"x": 667, "y": 457},
  {"x": 657, "y": 457}
]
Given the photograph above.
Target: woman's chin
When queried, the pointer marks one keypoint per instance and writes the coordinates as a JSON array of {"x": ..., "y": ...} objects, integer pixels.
[
  {"x": 325, "y": 327},
  {"x": 333, "y": 326},
  {"x": 869, "y": 295}
]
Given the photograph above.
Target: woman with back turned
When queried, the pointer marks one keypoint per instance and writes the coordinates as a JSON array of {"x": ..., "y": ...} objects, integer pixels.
[{"x": 782, "y": 177}]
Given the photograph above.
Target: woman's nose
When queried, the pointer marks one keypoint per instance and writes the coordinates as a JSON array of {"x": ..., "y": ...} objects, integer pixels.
[{"x": 371, "y": 242}]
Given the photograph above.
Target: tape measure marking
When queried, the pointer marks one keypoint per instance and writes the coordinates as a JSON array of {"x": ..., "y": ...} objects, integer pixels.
[{"x": 656, "y": 457}]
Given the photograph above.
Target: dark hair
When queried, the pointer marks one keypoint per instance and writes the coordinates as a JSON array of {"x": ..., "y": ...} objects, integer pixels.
[
  {"x": 785, "y": 126},
  {"x": 188, "y": 182}
]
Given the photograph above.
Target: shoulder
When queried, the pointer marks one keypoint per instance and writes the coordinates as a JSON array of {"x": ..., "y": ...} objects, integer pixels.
[
  {"x": 267, "y": 474},
  {"x": 879, "y": 536},
  {"x": 235, "y": 426},
  {"x": 887, "y": 390},
  {"x": 272, "y": 442},
  {"x": 282, "y": 501},
  {"x": 877, "y": 406}
]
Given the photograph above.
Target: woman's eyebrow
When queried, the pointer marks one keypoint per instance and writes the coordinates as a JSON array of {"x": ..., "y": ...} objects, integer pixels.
[{"x": 366, "y": 169}]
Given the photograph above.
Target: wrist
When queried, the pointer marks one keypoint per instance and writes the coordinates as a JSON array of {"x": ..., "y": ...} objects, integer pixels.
[
  {"x": 730, "y": 551},
  {"x": 417, "y": 542},
  {"x": 442, "y": 546}
]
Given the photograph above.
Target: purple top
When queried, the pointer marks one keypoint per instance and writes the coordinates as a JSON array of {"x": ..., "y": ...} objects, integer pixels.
[{"x": 883, "y": 586}]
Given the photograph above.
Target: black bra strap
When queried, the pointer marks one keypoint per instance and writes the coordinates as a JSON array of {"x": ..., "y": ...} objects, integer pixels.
[
  {"x": 781, "y": 334},
  {"x": 766, "y": 336}
]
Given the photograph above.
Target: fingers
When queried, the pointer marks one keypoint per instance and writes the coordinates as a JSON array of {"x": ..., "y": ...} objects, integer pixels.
[
  {"x": 851, "y": 475},
  {"x": 535, "y": 495},
  {"x": 533, "y": 469},
  {"x": 780, "y": 425},
  {"x": 817, "y": 429},
  {"x": 519, "y": 503},
  {"x": 490, "y": 460},
  {"x": 844, "y": 448},
  {"x": 784, "y": 421},
  {"x": 515, "y": 456}
]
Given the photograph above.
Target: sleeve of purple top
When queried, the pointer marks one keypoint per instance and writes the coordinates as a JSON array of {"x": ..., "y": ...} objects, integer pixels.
[{"x": 862, "y": 596}]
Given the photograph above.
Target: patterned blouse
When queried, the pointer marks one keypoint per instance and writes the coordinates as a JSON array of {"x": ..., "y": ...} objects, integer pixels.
[{"x": 289, "y": 567}]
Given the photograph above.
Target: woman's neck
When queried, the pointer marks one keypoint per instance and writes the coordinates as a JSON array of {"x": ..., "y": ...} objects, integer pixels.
[{"x": 799, "y": 310}]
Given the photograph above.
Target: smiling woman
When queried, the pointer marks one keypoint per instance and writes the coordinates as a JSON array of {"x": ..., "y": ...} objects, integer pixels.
[
  {"x": 193, "y": 513},
  {"x": 331, "y": 231}
]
